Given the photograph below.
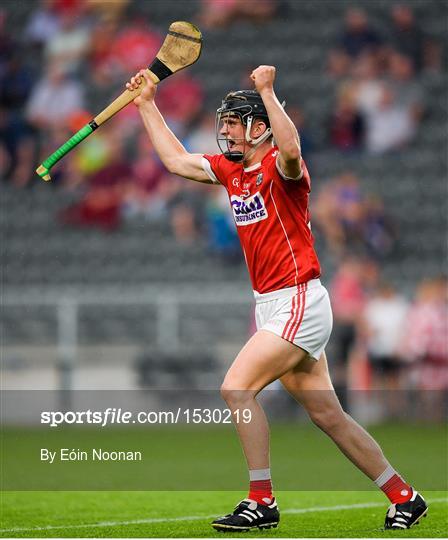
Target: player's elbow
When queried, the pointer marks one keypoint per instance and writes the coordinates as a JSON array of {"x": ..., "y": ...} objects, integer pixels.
[
  {"x": 174, "y": 165},
  {"x": 291, "y": 152},
  {"x": 170, "y": 167}
]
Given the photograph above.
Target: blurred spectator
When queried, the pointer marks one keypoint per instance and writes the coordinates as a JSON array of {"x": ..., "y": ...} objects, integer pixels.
[
  {"x": 142, "y": 198},
  {"x": 147, "y": 165},
  {"x": 350, "y": 221},
  {"x": 366, "y": 86},
  {"x": 134, "y": 44},
  {"x": 383, "y": 327},
  {"x": 407, "y": 90},
  {"x": 16, "y": 81},
  {"x": 390, "y": 124},
  {"x": 101, "y": 205},
  {"x": 17, "y": 156},
  {"x": 5, "y": 161},
  {"x": 346, "y": 127},
  {"x": 186, "y": 211},
  {"x": 433, "y": 57},
  {"x": 391, "y": 108},
  {"x": 180, "y": 99},
  {"x": 100, "y": 52},
  {"x": 219, "y": 13},
  {"x": 54, "y": 88},
  {"x": 107, "y": 10},
  {"x": 215, "y": 13},
  {"x": 153, "y": 205},
  {"x": 370, "y": 275},
  {"x": 348, "y": 297},
  {"x": 43, "y": 24},
  {"x": 259, "y": 11},
  {"x": 348, "y": 300},
  {"x": 183, "y": 223},
  {"x": 15, "y": 134},
  {"x": 358, "y": 36},
  {"x": 19, "y": 164},
  {"x": 221, "y": 232},
  {"x": 76, "y": 7},
  {"x": 69, "y": 45},
  {"x": 7, "y": 44},
  {"x": 426, "y": 342},
  {"x": 426, "y": 346},
  {"x": 339, "y": 212},
  {"x": 379, "y": 231},
  {"x": 202, "y": 138},
  {"x": 407, "y": 38},
  {"x": 338, "y": 64},
  {"x": 105, "y": 75}
]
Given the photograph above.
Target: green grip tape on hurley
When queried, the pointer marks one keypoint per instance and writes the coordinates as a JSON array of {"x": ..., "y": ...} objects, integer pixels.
[
  {"x": 80, "y": 135},
  {"x": 67, "y": 146}
]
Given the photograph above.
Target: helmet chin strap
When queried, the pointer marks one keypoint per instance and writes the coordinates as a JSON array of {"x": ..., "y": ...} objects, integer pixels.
[
  {"x": 256, "y": 142},
  {"x": 259, "y": 139}
]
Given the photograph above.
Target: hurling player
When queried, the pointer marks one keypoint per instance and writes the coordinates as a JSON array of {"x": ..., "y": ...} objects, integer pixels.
[{"x": 262, "y": 169}]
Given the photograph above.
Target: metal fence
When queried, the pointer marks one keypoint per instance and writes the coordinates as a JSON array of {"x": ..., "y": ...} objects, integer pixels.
[{"x": 217, "y": 315}]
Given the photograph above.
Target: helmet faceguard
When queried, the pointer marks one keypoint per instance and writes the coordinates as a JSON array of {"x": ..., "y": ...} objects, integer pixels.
[{"x": 246, "y": 105}]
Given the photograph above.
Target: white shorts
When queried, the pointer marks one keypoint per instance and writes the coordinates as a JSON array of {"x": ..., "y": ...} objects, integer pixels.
[{"x": 301, "y": 315}]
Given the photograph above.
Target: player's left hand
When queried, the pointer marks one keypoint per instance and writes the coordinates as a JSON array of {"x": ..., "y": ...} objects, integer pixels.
[{"x": 263, "y": 77}]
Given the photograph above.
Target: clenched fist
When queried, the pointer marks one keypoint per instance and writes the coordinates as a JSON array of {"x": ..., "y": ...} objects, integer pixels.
[{"x": 263, "y": 77}]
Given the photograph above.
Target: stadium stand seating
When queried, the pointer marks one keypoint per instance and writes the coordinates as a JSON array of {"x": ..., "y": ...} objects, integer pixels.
[{"x": 37, "y": 251}]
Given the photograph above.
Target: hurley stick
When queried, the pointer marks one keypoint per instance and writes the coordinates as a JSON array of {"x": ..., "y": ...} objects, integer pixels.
[{"x": 181, "y": 48}]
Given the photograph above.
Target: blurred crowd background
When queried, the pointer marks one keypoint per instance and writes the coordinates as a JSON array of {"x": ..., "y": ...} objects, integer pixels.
[{"x": 366, "y": 85}]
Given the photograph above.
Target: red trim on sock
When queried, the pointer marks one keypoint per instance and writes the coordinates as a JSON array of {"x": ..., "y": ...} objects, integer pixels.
[
  {"x": 259, "y": 490},
  {"x": 397, "y": 490}
]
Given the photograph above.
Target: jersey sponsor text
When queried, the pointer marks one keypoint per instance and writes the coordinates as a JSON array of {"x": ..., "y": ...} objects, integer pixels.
[{"x": 248, "y": 210}]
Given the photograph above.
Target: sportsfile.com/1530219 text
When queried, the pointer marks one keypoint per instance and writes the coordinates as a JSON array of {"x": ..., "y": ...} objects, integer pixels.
[{"x": 112, "y": 415}]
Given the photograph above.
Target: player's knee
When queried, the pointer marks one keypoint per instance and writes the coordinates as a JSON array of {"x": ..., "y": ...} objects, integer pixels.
[
  {"x": 225, "y": 393},
  {"x": 234, "y": 397},
  {"x": 328, "y": 419}
]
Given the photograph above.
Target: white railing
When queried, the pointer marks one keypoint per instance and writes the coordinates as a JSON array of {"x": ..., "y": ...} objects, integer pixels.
[{"x": 167, "y": 299}]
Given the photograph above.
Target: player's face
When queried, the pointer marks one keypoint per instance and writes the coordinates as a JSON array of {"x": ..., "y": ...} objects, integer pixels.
[{"x": 232, "y": 130}]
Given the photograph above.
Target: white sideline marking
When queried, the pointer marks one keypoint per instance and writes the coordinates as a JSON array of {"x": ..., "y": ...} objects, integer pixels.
[{"x": 197, "y": 518}]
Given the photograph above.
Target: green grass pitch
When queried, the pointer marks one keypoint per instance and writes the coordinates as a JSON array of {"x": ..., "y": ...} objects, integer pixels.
[
  {"x": 334, "y": 499},
  {"x": 188, "y": 514}
]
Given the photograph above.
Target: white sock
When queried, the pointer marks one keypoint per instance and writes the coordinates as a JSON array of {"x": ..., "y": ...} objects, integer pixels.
[
  {"x": 385, "y": 476},
  {"x": 259, "y": 474}
]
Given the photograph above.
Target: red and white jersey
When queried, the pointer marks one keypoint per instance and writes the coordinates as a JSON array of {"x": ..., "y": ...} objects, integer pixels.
[{"x": 272, "y": 217}]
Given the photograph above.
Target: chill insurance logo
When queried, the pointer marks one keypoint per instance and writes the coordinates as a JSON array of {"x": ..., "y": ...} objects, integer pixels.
[{"x": 248, "y": 210}]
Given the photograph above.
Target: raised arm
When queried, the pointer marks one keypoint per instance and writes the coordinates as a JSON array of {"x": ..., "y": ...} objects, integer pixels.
[
  {"x": 284, "y": 131},
  {"x": 170, "y": 150}
]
